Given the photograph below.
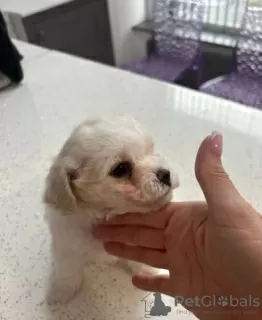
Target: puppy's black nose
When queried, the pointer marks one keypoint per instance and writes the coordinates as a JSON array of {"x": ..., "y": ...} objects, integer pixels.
[{"x": 164, "y": 176}]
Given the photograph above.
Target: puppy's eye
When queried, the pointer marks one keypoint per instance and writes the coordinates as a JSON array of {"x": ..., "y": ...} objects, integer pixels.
[{"x": 123, "y": 169}]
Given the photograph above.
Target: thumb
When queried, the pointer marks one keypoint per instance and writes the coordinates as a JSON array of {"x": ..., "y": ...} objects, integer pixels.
[{"x": 219, "y": 191}]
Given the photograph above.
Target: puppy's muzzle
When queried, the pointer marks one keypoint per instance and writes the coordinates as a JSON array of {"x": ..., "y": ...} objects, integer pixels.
[{"x": 164, "y": 177}]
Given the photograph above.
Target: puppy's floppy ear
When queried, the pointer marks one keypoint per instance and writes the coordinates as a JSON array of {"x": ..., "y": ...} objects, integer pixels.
[{"x": 59, "y": 190}]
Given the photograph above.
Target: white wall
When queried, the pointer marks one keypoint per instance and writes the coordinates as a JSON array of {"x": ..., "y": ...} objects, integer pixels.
[{"x": 124, "y": 14}]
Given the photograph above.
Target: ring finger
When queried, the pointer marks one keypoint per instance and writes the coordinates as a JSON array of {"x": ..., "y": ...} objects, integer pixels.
[{"x": 154, "y": 258}]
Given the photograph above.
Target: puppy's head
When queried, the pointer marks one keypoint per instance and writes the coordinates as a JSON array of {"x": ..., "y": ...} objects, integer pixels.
[{"x": 109, "y": 167}]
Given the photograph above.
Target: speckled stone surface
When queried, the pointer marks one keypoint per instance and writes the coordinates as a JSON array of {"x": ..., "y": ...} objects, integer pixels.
[{"x": 58, "y": 92}]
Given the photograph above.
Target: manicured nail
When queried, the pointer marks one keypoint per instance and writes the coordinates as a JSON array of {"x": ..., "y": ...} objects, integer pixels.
[{"x": 216, "y": 143}]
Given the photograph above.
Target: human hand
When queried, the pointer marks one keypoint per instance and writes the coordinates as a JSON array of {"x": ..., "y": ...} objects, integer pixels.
[{"x": 211, "y": 248}]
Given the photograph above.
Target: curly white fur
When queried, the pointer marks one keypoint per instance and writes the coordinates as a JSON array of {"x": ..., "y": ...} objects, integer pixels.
[{"x": 81, "y": 191}]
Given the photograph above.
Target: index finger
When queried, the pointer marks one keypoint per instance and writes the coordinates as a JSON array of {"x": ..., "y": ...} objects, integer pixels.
[{"x": 157, "y": 219}]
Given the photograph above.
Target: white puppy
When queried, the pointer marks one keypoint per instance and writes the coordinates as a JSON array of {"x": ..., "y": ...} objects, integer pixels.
[{"x": 105, "y": 168}]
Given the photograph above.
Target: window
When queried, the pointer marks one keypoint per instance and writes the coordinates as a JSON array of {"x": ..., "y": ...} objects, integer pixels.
[
  {"x": 227, "y": 13},
  {"x": 222, "y": 19},
  {"x": 149, "y": 9}
]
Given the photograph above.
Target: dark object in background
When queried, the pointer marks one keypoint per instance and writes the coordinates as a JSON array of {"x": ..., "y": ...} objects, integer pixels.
[
  {"x": 80, "y": 28},
  {"x": 10, "y": 66}
]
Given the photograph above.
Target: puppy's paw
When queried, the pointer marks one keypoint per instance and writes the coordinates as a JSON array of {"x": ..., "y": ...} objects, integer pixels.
[{"x": 61, "y": 292}]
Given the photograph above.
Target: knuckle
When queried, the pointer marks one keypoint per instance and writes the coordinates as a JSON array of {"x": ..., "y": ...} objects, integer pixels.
[
  {"x": 134, "y": 237},
  {"x": 219, "y": 174},
  {"x": 160, "y": 241},
  {"x": 140, "y": 255},
  {"x": 216, "y": 171}
]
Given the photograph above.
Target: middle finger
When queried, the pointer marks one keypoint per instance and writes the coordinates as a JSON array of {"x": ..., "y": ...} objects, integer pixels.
[{"x": 139, "y": 236}]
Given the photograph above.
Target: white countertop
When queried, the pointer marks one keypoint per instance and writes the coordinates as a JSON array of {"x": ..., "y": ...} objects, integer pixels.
[
  {"x": 58, "y": 92},
  {"x": 28, "y": 51},
  {"x": 28, "y": 7}
]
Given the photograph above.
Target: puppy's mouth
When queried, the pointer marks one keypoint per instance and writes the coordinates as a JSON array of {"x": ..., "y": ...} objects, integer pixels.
[
  {"x": 167, "y": 189},
  {"x": 162, "y": 200},
  {"x": 162, "y": 196},
  {"x": 167, "y": 193}
]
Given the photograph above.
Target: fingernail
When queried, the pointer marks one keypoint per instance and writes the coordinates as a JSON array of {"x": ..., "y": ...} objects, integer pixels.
[{"x": 216, "y": 143}]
